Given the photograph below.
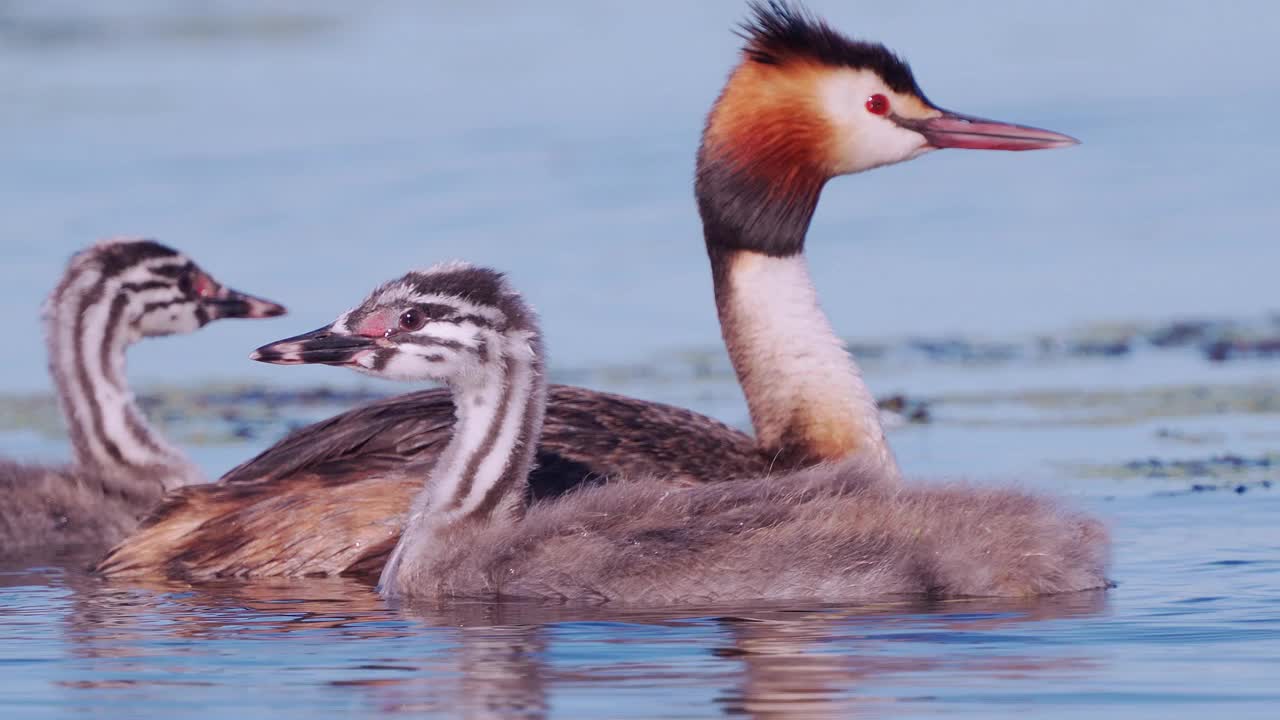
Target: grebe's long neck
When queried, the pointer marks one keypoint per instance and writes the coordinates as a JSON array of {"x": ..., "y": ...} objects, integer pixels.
[
  {"x": 482, "y": 474},
  {"x": 806, "y": 395},
  {"x": 88, "y": 332}
]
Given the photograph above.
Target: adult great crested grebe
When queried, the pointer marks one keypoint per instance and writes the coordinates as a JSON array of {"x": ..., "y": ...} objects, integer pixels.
[
  {"x": 837, "y": 532},
  {"x": 112, "y": 294},
  {"x": 804, "y": 104}
]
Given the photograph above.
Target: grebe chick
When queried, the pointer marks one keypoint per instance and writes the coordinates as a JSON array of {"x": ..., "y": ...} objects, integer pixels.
[
  {"x": 803, "y": 105},
  {"x": 837, "y": 532},
  {"x": 112, "y": 294}
]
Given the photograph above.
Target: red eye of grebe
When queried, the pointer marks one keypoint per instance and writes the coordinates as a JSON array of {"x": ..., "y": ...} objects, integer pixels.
[{"x": 878, "y": 104}]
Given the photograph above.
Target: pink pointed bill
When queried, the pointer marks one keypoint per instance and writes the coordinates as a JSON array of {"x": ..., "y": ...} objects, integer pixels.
[{"x": 953, "y": 130}]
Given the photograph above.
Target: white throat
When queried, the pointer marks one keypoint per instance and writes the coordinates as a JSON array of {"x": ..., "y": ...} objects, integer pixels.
[{"x": 803, "y": 388}]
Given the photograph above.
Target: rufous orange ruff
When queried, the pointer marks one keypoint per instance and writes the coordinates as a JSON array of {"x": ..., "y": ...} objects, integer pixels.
[{"x": 768, "y": 126}]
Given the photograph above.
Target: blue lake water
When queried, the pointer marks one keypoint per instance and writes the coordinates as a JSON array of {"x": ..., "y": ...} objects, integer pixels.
[{"x": 308, "y": 151}]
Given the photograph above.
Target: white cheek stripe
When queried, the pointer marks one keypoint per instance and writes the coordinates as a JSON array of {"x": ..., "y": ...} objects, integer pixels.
[{"x": 865, "y": 140}]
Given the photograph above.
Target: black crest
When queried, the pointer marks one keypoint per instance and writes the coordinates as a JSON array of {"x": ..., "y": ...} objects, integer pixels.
[
  {"x": 473, "y": 284},
  {"x": 778, "y": 31},
  {"x": 479, "y": 285},
  {"x": 116, "y": 257}
]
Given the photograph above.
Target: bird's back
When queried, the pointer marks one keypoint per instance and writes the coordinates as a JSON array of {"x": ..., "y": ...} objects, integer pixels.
[
  {"x": 53, "y": 513},
  {"x": 830, "y": 533},
  {"x": 331, "y": 498}
]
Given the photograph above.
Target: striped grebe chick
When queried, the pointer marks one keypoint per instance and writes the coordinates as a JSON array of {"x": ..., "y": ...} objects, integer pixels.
[
  {"x": 112, "y": 294},
  {"x": 803, "y": 105},
  {"x": 838, "y": 532}
]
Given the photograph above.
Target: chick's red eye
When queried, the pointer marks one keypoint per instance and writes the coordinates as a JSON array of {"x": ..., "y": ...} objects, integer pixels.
[
  {"x": 203, "y": 286},
  {"x": 878, "y": 104},
  {"x": 411, "y": 320},
  {"x": 197, "y": 284}
]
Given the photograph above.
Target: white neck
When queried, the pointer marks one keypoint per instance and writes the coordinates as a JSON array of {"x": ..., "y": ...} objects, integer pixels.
[
  {"x": 88, "y": 332},
  {"x": 805, "y": 392},
  {"x": 483, "y": 472}
]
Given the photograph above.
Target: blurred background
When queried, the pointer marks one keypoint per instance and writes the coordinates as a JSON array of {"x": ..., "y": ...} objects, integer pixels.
[{"x": 309, "y": 150}]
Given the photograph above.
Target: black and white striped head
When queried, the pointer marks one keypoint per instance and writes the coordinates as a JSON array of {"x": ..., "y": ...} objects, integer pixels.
[
  {"x": 147, "y": 289},
  {"x": 451, "y": 323}
]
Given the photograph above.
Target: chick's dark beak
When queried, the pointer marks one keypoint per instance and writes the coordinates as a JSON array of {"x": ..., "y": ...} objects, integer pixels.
[
  {"x": 318, "y": 347},
  {"x": 228, "y": 303}
]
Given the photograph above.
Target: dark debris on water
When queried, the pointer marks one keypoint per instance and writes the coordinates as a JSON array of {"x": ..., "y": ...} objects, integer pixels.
[
  {"x": 1226, "y": 472},
  {"x": 1217, "y": 340},
  {"x": 1214, "y": 466},
  {"x": 1239, "y": 488},
  {"x": 913, "y": 410}
]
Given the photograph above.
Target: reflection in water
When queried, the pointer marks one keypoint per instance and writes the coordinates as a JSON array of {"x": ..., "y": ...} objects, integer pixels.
[
  {"x": 485, "y": 660},
  {"x": 828, "y": 664}
]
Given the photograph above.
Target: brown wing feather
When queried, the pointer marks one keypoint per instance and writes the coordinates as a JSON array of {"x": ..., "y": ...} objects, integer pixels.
[
  {"x": 382, "y": 435},
  {"x": 330, "y": 498}
]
